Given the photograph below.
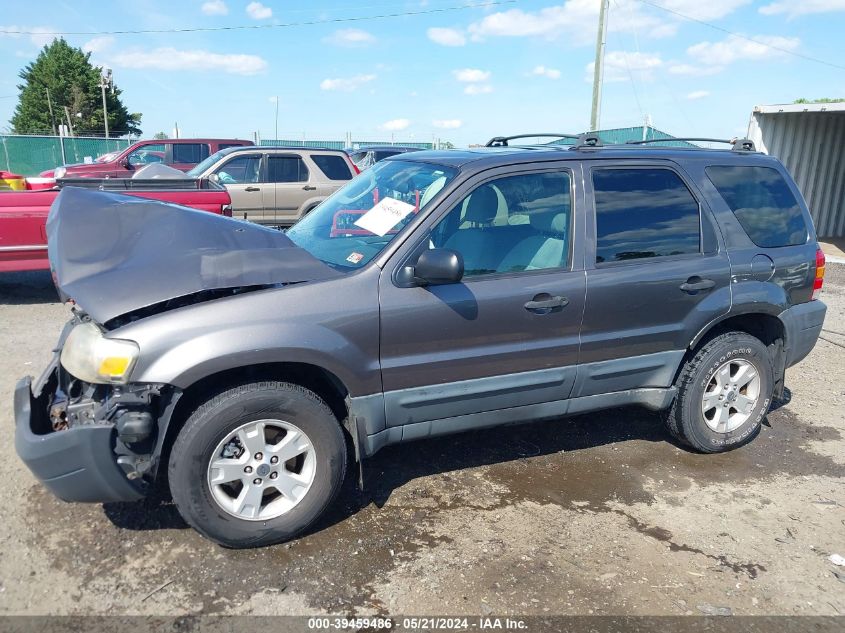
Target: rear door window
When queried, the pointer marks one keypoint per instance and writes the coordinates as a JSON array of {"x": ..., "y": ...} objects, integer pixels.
[
  {"x": 762, "y": 202},
  {"x": 643, "y": 213},
  {"x": 190, "y": 153},
  {"x": 334, "y": 167},
  {"x": 286, "y": 169}
]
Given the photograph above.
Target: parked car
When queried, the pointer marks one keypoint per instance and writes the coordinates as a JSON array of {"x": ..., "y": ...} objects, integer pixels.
[
  {"x": 276, "y": 186},
  {"x": 366, "y": 157},
  {"x": 180, "y": 153},
  {"x": 23, "y": 236},
  {"x": 478, "y": 288}
]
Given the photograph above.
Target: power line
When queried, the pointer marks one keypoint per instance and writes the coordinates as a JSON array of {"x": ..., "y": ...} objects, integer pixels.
[
  {"x": 280, "y": 25},
  {"x": 740, "y": 36}
]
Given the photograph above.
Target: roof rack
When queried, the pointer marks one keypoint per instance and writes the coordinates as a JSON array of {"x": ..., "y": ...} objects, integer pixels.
[
  {"x": 739, "y": 144},
  {"x": 502, "y": 141}
]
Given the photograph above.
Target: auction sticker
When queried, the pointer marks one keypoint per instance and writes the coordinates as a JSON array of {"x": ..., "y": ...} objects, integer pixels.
[
  {"x": 384, "y": 216},
  {"x": 355, "y": 258}
]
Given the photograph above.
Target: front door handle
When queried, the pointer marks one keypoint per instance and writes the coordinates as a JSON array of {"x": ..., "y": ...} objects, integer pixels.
[
  {"x": 545, "y": 303},
  {"x": 253, "y": 189},
  {"x": 695, "y": 283},
  {"x": 309, "y": 188}
]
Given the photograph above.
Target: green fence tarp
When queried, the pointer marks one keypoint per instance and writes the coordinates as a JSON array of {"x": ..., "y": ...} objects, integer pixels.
[
  {"x": 30, "y": 155},
  {"x": 339, "y": 144}
]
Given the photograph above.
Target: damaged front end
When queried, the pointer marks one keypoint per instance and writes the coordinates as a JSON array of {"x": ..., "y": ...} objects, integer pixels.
[{"x": 86, "y": 441}]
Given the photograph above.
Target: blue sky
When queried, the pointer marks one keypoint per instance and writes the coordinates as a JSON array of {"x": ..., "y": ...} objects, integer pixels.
[{"x": 464, "y": 75}]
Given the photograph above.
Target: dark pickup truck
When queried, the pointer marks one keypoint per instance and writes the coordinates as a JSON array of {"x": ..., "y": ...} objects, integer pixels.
[{"x": 23, "y": 214}]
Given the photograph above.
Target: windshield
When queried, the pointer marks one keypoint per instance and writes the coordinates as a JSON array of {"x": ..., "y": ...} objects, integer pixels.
[
  {"x": 197, "y": 171},
  {"x": 360, "y": 219}
]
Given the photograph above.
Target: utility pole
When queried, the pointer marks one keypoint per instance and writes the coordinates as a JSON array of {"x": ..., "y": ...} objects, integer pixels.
[
  {"x": 50, "y": 107},
  {"x": 598, "y": 71},
  {"x": 105, "y": 82},
  {"x": 69, "y": 124},
  {"x": 276, "y": 137}
]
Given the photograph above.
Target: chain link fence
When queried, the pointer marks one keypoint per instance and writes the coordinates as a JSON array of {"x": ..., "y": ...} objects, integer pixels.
[{"x": 30, "y": 155}]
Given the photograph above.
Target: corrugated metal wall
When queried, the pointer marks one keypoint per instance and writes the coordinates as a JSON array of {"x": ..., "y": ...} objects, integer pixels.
[{"x": 812, "y": 146}]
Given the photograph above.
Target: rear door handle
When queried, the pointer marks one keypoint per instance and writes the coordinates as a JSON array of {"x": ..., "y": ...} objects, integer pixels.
[
  {"x": 694, "y": 284},
  {"x": 543, "y": 303},
  {"x": 309, "y": 188},
  {"x": 253, "y": 189}
]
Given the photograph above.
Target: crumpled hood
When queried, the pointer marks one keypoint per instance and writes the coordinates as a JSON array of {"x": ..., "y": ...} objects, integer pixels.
[{"x": 113, "y": 253}]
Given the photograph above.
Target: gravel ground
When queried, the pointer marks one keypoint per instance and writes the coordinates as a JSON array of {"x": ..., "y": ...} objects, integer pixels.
[{"x": 600, "y": 513}]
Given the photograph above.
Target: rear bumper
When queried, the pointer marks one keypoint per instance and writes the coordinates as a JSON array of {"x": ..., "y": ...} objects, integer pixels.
[
  {"x": 803, "y": 324},
  {"x": 75, "y": 464}
]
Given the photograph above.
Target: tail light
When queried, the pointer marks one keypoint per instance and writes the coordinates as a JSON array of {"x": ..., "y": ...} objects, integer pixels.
[
  {"x": 355, "y": 170},
  {"x": 819, "y": 280}
]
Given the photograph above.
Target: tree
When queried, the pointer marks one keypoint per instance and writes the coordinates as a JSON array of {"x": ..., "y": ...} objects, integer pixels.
[
  {"x": 160, "y": 136},
  {"x": 73, "y": 82},
  {"x": 822, "y": 100}
]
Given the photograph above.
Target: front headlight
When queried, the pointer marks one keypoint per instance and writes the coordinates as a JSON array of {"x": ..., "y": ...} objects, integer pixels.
[
  {"x": 59, "y": 172},
  {"x": 90, "y": 356}
]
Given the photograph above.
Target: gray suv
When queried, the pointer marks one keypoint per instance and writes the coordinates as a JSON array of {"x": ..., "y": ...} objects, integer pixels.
[{"x": 436, "y": 292}]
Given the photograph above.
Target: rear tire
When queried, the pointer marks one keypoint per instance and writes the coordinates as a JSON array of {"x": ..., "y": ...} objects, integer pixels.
[
  {"x": 279, "y": 458},
  {"x": 724, "y": 392}
]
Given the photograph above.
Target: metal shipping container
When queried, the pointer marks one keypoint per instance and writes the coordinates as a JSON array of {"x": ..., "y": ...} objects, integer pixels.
[{"x": 809, "y": 138}]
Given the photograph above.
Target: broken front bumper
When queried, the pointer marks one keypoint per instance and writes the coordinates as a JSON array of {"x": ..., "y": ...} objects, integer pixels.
[{"x": 76, "y": 463}]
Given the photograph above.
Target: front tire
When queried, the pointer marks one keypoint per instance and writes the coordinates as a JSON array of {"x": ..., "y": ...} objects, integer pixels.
[
  {"x": 257, "y": 464},
  {"x": 724, "y": 392}
]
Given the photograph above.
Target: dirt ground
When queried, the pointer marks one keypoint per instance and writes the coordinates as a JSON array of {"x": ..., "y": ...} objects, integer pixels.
[{"x": 597, "y": 514}]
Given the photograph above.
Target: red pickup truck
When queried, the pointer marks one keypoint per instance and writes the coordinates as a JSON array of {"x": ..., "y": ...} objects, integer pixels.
[
  {"x": 23, "y": 214},
  {"x": 180, "y": 153}
]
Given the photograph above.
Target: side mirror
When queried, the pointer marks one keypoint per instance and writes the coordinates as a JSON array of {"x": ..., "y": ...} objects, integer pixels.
[
  {"x": 214, "y": 177},
  {"x": 124, "y": 162},
  {"x": 439, "y": 266}
]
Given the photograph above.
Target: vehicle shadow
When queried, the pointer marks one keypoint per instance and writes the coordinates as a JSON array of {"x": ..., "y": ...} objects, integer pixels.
[
  {"x": 35, "y": 286},
  {"x": 395, "y": 466}
]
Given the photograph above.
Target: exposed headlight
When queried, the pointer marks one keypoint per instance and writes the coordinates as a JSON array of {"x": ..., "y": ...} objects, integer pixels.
[
  {"x": 90, "y": 356},
  {"x": 59, "y": 172}
]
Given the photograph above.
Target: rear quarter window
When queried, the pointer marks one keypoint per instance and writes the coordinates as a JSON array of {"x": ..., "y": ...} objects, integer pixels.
[
  {"x": 762, "y": 203},
  {"x": 190, "y": 153},
  {"x": 334, "y": 167}
]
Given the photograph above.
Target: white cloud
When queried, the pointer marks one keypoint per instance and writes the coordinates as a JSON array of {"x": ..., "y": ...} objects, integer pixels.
[
  {"x": 710, "y": 10},
  {"x": 542, "y": 71},
  {"x": 395, "y": 125},
  {"x": 214, "y": 7},
  {"x": 446, "y": 37},
  {"x": 471, "y": 75},
  {"x": 258, "y": 11},
  {"x": 736, "y": 48},
  {"x": 698, "y": 94},
  {"x": 795, "y": 8},
  {"x": 38, "y": 35},
  {"x": 351, "y": 38},
  {"x": 618, "y": 66},
  {"x": 346, "y": 84},
  {"x": 575, "y": 20},
  {"x": 447, "y": 124},
  {"x": 98, "y": 44},
  {"x": 273, "y": 99},
  {"x": 478, "y": 89},
  {"x": 169, "y": 58}
]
